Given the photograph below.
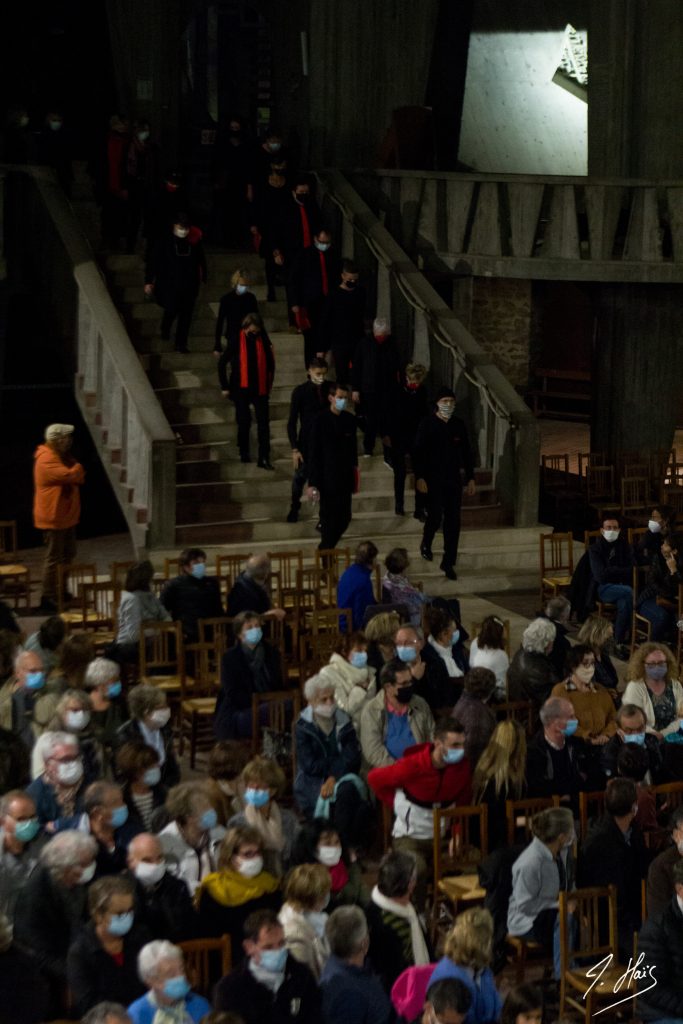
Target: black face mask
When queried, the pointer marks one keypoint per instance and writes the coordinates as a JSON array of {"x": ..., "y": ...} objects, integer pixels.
[
  {"x": 351, "y": 284},
  {"x": 404, "y": 693},
  {"x": 301, "y": 198}
]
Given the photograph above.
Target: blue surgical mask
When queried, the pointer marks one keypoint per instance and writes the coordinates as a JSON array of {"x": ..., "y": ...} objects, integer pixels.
[
  {"x": 638, "y": 738},
  {"x": 120, "y": 924},
  {"x": 35, "y": 680},
  {"x": 143, "y": 136},
  {"x": 152, "y": 776},
  {"x": 453, "y": 756},
  {"x": 455, "y": 636},
  {"x": 406, "y": 654},
  {"x": 340, "y": 404},
  {"x": 254, "y": 635},
  {"x": 445, "y": 409},
  {"x": 114, "y": 690},
  {"x": 358, "y": 659},
  {"x": 176, "y": 988},
  {"x": 240, "y": 289},
  {"x": 656, "y": 672},
  {"x": 26, "y": 830},
  {"x": 571, "y": 727},
  {"x": 274, "y": 960},
  {"x": 119, "y": 816},
  {"x": 199, "y": 570},
  {"x": 208, "y": 820},
  {"x": 256, "y": 797},
  {"x": 322, "y": 246}
]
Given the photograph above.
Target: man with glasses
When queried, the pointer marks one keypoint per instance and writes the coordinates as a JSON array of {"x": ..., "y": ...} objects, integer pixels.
[{"x": 631, "y": 729}]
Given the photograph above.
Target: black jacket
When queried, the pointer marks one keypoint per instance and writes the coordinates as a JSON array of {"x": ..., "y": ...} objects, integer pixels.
[
  {"x": 407, "y": 411},
  {"x": 661, "y": 942},
  {"x": 442, "y": 452},
  {"x": 297, "y": 1001},
  {"x": 308, "y": 284},
  {"x": 375, "y": 370},
  {"x": 561, "y": 646},
  {"x": 540, "y": 772},
  {"x": 238, "y": 685},
  {"x": 660, "y": 880},
  {"x": 47, "y": 918},
  {"x": 130, "y": 732},
  {"x": 307, "y": 402},
  {"x": 611, "y": 562},
  {"x": 652, "y": 747},
  {"x": 188, "y": 599},
  {"x": 231, "y": 313},
  {"x": 252, "y": 365},
  {"x": 94, "y": 975},
  {"x": 288, "y": 234},
  {"x": 176, "y": 267},
  {"x": 531, "y": 676},
  {"x": 158, "y": 800},
  {"x": 166, "y": 909},
  {"x": 388, "y": 955},
  {"x": 247, "y": 596},
  {"x": 343, "y": 323},
  {"x": 215, "y": 919},
  {"x": 24, "y": 992},
  {"x": 333, "y": 454},
  {"x": 435, "y": 683}
]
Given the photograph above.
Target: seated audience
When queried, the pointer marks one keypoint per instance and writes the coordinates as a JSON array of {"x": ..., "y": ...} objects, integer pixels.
[
  {"x": 658, "y": 601},
  {"x": 58, "y": 793},
  {"x": 500, "y": 776},
  {"x": 598, "y": 634},
  {"x": 558, "y": 610},
  {"x": 532, "y": 674},
  {"x": 162, "y": 901},
  {"x": 659, "y": 526},
  {"x": 472, "y": 712},
  {"x": 251, "y": 666},
  {"x": 523, "y": 1005},
  {"x": 427, "y": 668},
  {"x": 149, "y": 722},
  {"x": 446, "y": 637},
  {"x": 395, "y": 719},
  {"x": 660, "y": 879},
  {"x": 21, "y": 840},
  {"x": 632, "y": 763},
  {"x": 251, "y": 593},
  {"x": 47, "y": 641},
  {"x": 653, "y": 686},
  {"x": 354, "y": 589},
  {"x": 467, "y": 957},
  {"x": 192, "y": 595},
  {"x": 318, "y": 843},
  {"x": 223, "y": 783},
  {"x": 660, "y": 988},
  {"x": 487, "y": 650},
  {"x": 107, "y": 1013},
  {"x": 105, "y": 818},
  {"x": 553, "y": 758},
  {"x": 103, "y": 686},
  {"x": 397, "y": 589},
  {"x": 239, "y": 886},
  {"x": 431, "y": 773},
  {"x": 262, "y": 782},
  {"x": 75, "y": 655},
  {"x": 351, "y": 993},
  {"x": 449, "y": 1001},
  {"x": 380, "y": 632},
  {"x": 611, "y": 563},
  {"x": 631, "y": 731},
  {"x": 397, "y": 938},
  {"x": 30, "y": 710},
  {"x": 102, "y": 960},
  {"x": 191, "y": 839},
  {"x": 593, "y": 709},
  {"x": 24, "y": 992},
  {"x": 137, "y": 605},
  {"x": 538, "y": 875},
  {"x": 270, "y": 985},
  {"x": 169, "y": 996},
  {"x": 137, "y": 766},
  {"x": 72, "y": 714},
  {"x": 303, "y": 917},
  {"x": 350, "y": 675}
]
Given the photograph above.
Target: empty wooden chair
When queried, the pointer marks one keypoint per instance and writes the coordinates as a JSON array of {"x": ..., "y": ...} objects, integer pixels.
[
  {"x": 15, "y": 577},
  {"x": 556, "y": 563}
]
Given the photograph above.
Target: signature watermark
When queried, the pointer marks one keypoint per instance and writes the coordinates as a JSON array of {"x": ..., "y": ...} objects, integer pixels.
[{"x": 637, "y": 971}]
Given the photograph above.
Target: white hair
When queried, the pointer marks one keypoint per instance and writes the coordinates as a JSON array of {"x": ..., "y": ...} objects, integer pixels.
[
  {"x": 315, "y": 685},
  {"x": 554, "y": 708},
  {"x": 21, "y": 656},
  {"x": 65, "y": 850},
  {"x": 101, "y": 671},
  {"x": 381, "y": 323},
  {"x": 151, "y": 955},
  {"x": 537, "y": 635},
  {"x": 52, "y": 740}
]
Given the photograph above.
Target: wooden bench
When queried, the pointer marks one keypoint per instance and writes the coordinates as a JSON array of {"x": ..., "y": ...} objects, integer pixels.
[{"x": 564, "y": 388}]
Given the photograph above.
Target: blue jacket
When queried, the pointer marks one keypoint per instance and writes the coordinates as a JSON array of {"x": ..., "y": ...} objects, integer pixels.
[
  {"x": 43, "y": 795},
  {"x": 353, "y": 995},
  {"x": 354, "y": 591},
  {"x": 313, "y": 763},
  {"x": 486, "y": 1003},
  {"x": 142, "y": 1011}
]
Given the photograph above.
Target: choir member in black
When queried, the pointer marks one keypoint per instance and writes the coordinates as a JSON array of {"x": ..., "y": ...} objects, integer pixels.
[
  {"x": 375, "y": 374},
  {"x": 142, "y": 175},
  {"x": 298, "y": 223},
  {"x": 407, "y": 409},
  {"x": 176, "y": 266},
  {"x": 234, "y": 306},
  {"x": 333, "y": 471},
  {"x": 272, "y": 199},
  {"x": 314, "y": 275},
  {"x": 343, "y": 324},
  {"x": 231, "y": 170},
  {"x": 253, "y": 368},
  {"x": 168, "y": 200},
  {"x": 269, "y": 151},
  {"x": 308, "y": 401},
  {"x": 55, "y": 149}
]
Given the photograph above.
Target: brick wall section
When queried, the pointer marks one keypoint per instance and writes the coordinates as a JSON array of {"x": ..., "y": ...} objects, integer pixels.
[{"x": 500, "y": 320}]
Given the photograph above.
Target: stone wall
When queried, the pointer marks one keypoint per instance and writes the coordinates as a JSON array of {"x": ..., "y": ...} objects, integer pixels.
[{"x": 500, "y": 320}]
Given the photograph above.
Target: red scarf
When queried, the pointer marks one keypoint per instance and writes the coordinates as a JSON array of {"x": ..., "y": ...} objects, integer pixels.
[
  {"x": 261, "y": 368},
  {"x": 339, "y": 876},
  {"x": 305, "y": 228},
  {"x": 323, "y": 273}
]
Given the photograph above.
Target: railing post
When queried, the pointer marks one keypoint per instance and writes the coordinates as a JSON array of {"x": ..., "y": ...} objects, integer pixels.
[{"x": 162, "y": 512}]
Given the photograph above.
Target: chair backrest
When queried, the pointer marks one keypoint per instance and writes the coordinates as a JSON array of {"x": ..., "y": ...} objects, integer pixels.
[
  {"x": 8, "y": 538},
  {"x": 315, "y": 588},
  {"x": 554, "y": 470},
  {"x": 161, "y": 647},
  {"x": 276, "y": 710},
  {"x": 669, "y": 796},
  {"x": 635, "y": 492},
  {"x": 286, "y": 564},
  {"x": 596, "y": 916},
  {"x": 74, "y": 576},
  {"x": 520, "y": 813},
  {"x": 523, "y": 711},
  {"x": 330, "y": 620},
  {"x": 198, "y": 961},
  {"x": 591, "y": 805},
  {"x": 557, "y": 553},
  {"x": 460, "y": 837},
  {"x": 315, "y": 651},
  {"x": 172, "y": 567},
  {"x": 589, "y": 536},
  {"x": 99, "y": 602},
  {"x": 600, "y": 482},
  {"x": 333, "y": 560},
  {"x": 228, "y": 568},
  {"x": 635, "y": 533},
  {"x": 587, "y": 459}
]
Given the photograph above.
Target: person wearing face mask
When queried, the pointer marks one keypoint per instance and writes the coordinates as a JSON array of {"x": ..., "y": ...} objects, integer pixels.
[
  {"x": 141, "y": 175},
  {"x": 21, "y": 840},
  {"x": 262, "y": 782},
  {"x": 137, "y": 605},
  {"x": 293, "y": 233},
  {"x": 397, "y": 938},
  {"x": 443, "y": 464},
  {"x": 231, "y": 176},
  {"x": 161, "y": 967},
  {"x": 115, "y": 193},
  {"x": 174, "y": 270},
  {"x": 239, "y": 886},
  {"x": 351, "y": 992},
  {"x": 614, "y": 853},
  {"x": 29, "y": 681},
  {"x": 472, "y": 710},
  {"x": 253, "y": 369},
  {"x": 350, "y": 675},
  {"x": 593, "y": 709},
  {"x": 59, "y": 791},
  {"x": 162, "y": 901},
  {"x": 137, "y": 767},
  {"x": 235, "y": 305},
  {"x": 55, "y": 149},
  {"x": 611, "y": 563},
  {"x": 314, "y": 274},
  {"x": 307, "y": 402},
  {"x": 72, "y": 714},
  {"x": 251, "y": 590},
  {"x": 271, "y": 148},
  {"x": 653, "y": 686},
  {"x": 631, "y": 731},
  {"x": 395, "y": 719},
  {"x": 659, "y": 946},
  {"x": 447, "y": 639},
  {"x": 343, "y": 320},
  {"x": 251, "y": 666},
  {"x": 658, "y": 601},
  {"x": 355, "y": 588},
  {"x": 554, "y": 759},
  {"x": 427, "y": 774},
  {"x": 149, "y": 723},
  {"x": 333, "y": 470},
  {"x": 375, "y": 376},
  {"x": 430, "y": 677},
  {"x": 272, "y": 201},
  {"x": 192, "y": 837},
  {"x": 226, "y": 762},
  {"x": 192, "y": 595},
  {"x": 661, "y": 522},
  {"x": 328, "y": 760},
  {"x": 105, "y": 818},
  {"x": 303, "y": 915},
  {"x": 103, "y": 685},
  {"x": 102, "y": 960},
  {"x": 406, "y": 409},
  {"x": 51, "y": 906},
  {"x": 270, "y": 984},
  {"x": 169, "y": 198}
]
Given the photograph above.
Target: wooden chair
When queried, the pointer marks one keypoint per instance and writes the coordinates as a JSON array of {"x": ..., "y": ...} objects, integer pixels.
[
  {"x": 600, "y": 489},
  {"x": 118, "y": 572},
  {"x": 635, "y": 494},
  {"x": 198, "y": 700},
  {"x": 172, "y": 567},
  {"x": 15, "y": 578},
  {"x": 162, "y": 659},
  {"x": 519, "y": 815},
  {"x": 591, "y": 805},
  {"x": 635, "y": 533},
  {"x": 75, "y": 575},
  {"x": 587, "y": 459},
  {"x": 228, "y": 568},
  {"x": 99, "y": 605},
  {"x": 315, "y": 651},
  {"x": 286, "y": 564},
  {"x": 522, "y": 711},
  {"x": 333, "y": 560},
  {"x": 524, "y": 952},
  {"x": 330, "y": 620},
  {"x": 313, "y": 590},
  {"x": 198, "y": 956},
  {"x": 556, "y": 562},
  {"x": 641, "y": 628},
  {"x": 596, "y": 916},
  {"x": 280, "y": 708},
  {"x": 554, "y": 472},
  {"x": 460, "y": 844}
]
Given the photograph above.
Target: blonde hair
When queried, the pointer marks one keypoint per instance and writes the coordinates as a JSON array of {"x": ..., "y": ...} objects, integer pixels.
[
  {"x": 635, "y": 670},
  {"x": 306, "y": 885},
  {"x": 266, "y": 772},
  {"x": 235, "y": 837},
  {"x": 239, "y": 276},
  {"x": 503, "y": 761},
  {"x": 382, "y": 628},
  {"x": 470, "y": 941},
  {"x": 595, "y": 632}
]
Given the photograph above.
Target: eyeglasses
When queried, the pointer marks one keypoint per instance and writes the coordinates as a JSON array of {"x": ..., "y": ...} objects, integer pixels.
[{"x": 661, "y": 661}]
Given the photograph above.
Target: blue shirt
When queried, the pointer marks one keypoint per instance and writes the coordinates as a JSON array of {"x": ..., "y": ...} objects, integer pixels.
[
  {"x": 354, "y": 591},
  {"x": 143, "y": 1012},
  {"x": 399, "y": 734},
  {"x": 486, "y": 1003}
]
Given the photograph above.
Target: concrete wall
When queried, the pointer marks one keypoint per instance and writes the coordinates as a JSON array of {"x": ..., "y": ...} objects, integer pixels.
[{"x": 498, "y": 313}]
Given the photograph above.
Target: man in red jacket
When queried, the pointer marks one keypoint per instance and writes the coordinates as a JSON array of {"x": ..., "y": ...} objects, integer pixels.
[{"x": 428, "y": 775}]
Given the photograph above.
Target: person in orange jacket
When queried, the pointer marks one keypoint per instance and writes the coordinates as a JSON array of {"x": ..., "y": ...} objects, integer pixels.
[{"x": 57, "y": 478}]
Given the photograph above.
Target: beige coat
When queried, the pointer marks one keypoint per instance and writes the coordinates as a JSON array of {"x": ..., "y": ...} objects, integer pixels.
[
  {"x": 373, "y": 729},
  {"x": 302, "y": 940},
  {"x": 637, "y": 693},
  {"x": 353, "y": 687}
]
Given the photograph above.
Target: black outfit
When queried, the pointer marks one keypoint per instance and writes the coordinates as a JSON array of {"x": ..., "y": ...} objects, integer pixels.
[
  {"x": 214, "y": 919},
  {"x": 269, "y": 207},
  {"x": 141, "y": 175},
  {"x": 660, "y": 880},
  {"x": 441, "y": 453},
  {"x": 166, "y": 202},
  {"x": 158, "y": 800},
  {"x": 661, "y": 942},
  {"x": 232, "y": 174},
  {"x": 166, "y": 909},
  {"x": 24, "y": 992},
  {"x": 130, "y": 732},
  {"x": 94, "y": 975},
  {"x": 47, "y": 918},
  {"x": 8, "y": 619},
  {"x": 550, "y": 771},
  {"x": 531, "y": 676},
  {"x": 54, "y": 150},
  {"x": 343, "y": 328},
  {"x": 561, "y": 646},
  {"x": 647, "y": 546},
  {"x": 605, "y": 672},
  {"x": 231, "y": 312},
  {"x": 188, "y": 599},
  {"x": 176, "y": 267},
  {"x": 407, "y": 410},
  {"x": 375, "y": 375},
  {"x": 652, "y": 747},
  {"x": 307, "y": 402},
  {"x": 314, "y": 276},
  {"x": 246, "y": 595},
  {"x": 297, "y": 1001},
  {"x": 253, "y": 369},
  {"x": 333, "y": 471},
  {"x": 293, "y": 233},
  {"x": 497, "y": 817},
  {"x": 435, "y": 684},
  {"x": 244, "y": 673},
  {"x": 388, "y": 955}
]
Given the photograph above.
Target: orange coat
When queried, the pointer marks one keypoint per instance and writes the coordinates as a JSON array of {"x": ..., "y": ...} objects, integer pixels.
[{"x": 57, "y": 500}]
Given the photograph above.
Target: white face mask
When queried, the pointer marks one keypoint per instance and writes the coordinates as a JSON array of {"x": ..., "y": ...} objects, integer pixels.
[
  {"x": 70, "y": 772},
  {"x": 226, "y": 787},
  {"x": 160, "y": 717},
  {"x": 329, "y": 855},
  {"x": 150, "y": 874},
  {"x": 77, "y": 720},
  {"x": 250, "y": 867},
  {"x": 325, "y": 710},
  {"x": 653, "y": 526},
  {"x": 445, "y": 410},
  {"x": 610, "y": 535},
  {"x": 585, "y": 673},
  {"x": 87, "y": 874},
  {"x": 181, "y": 232}
]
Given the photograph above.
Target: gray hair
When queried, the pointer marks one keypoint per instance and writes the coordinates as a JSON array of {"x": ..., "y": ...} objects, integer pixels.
[
  {"x": 101, "y": 671},
  {"x": 144, "y": 698},
  {"x": 558, "y": 607},
  {"x": 547, "y": 825},
  {"x": 151, "y": 955},
  {"x": 417, "y": 630},
  {"x": 80, "y": 695},
  {"x": 65, "y": 850},
  {"x": 257, "y": 566},
  {"x": 315, "y": 685},
  {"x": 346, "y": 931},
  {"x": 21, "y": 656},
  {"x": 58, "y": 739},
  {"x": 537, "y": 635},
  {"x": 104, "y": 1012},
  {"x": 554, "y": 708}
]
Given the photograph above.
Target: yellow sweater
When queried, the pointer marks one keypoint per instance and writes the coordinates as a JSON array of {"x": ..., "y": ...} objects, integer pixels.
[{"x": 593, "y": 708}]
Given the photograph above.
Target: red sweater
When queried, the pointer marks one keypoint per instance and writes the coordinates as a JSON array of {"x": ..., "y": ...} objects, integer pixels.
[{"x": 415, "y": 774}]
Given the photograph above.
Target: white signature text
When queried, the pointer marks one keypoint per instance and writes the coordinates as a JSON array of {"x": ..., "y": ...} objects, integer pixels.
[{"x": 634, "y": 972}]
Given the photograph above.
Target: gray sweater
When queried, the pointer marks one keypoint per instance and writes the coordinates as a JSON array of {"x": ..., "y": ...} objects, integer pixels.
[{"x": 535, "y": 885}]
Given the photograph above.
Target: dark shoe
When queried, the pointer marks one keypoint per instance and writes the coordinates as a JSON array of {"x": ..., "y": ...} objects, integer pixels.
[
  {"x": 420, "y": 515},
  {"x": 183, "y": 349},
  {"x": 264, "y": 464},
  {"x": 426, "y": 553},
  {"x": 319, "y": 526},
  {"x": 448, "y": 571},
  {"x": 271, "y": 297},
  {"x": 388, "y": 464},
  {"x": 399, "y": 510},
  {"x": 245, "y": 459},
  {"x": 293, "y": 515}
]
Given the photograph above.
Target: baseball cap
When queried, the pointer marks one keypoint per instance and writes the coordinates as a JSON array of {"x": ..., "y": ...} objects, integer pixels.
[{"x": 57, "y": 430}]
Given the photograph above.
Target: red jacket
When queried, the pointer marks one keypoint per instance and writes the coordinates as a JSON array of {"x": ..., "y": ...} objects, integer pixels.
[{"x": 415, "y": 774}]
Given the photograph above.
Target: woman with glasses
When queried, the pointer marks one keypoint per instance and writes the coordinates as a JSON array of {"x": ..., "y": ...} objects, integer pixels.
[{"x": 654, "y": 687}]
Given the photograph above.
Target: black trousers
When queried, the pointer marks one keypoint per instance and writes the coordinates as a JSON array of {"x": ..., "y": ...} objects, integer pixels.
[
  {"x": 182, "y": 311},
  {"x": 335, "y": 516},
  {"x": 243, "y": 411},
  {"x": 398, "y": 462},
  {"x": 443, "y": 510},
  {"x": 298, "y": 483},
  {"x": 342, "y": 355}
]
